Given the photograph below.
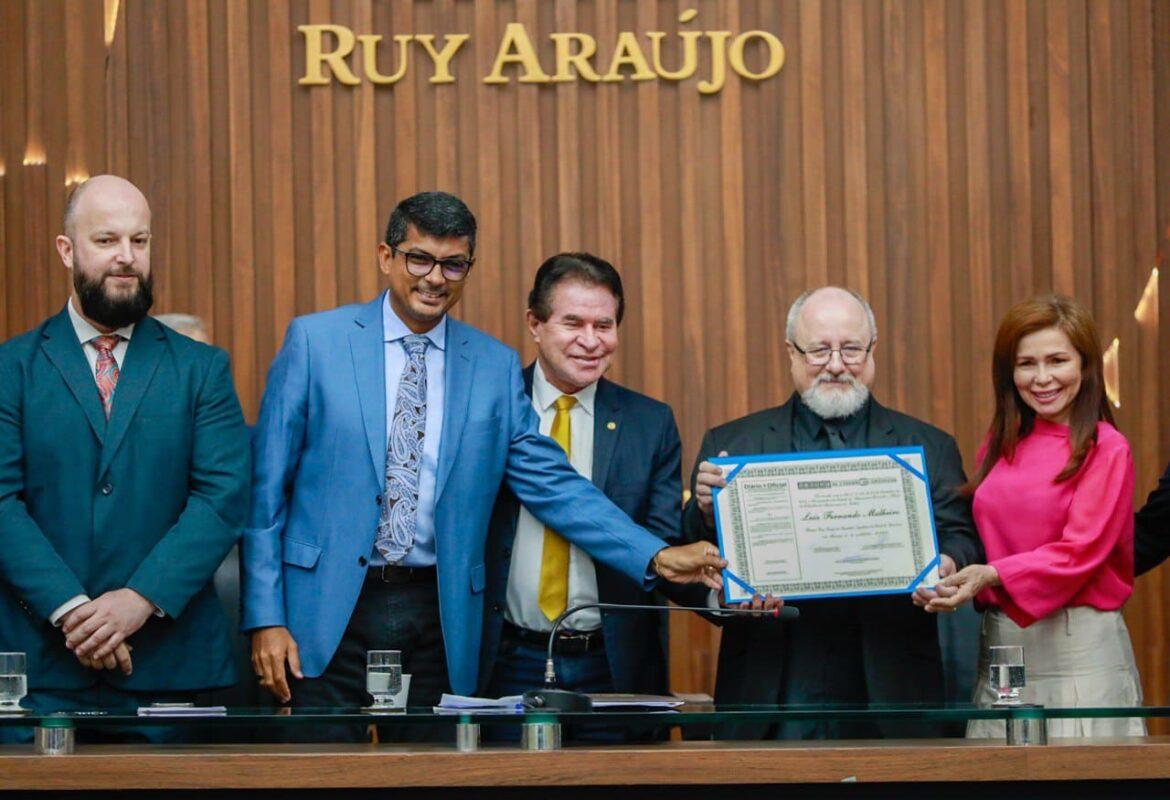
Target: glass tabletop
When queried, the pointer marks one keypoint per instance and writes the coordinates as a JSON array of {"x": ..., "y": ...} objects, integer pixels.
[{"x": 687, "y": 714}]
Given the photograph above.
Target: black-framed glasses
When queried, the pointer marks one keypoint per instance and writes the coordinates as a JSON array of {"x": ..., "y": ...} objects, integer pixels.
[
  {"x": 420, "y": 264},
  {"x": 820, "y": 355}
]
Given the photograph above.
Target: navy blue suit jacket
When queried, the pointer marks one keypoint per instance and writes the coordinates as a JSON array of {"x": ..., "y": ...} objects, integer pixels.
[{"x": 638, "y": 465}]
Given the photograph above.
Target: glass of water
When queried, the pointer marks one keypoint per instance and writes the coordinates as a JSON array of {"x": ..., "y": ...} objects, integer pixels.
[
  {"x": 383, "y": 677},
  {"x": 13, "y": 682},
  {"x": 1007, "y": 673}
]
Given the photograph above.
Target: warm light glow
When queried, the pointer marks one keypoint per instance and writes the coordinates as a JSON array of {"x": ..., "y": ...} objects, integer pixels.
[
  {"x": 111, "y": 20},
  {"x": 1147, "y": 308},
  {"x": 1112, "y": 377},
  {"x": 76, "y": 178},
  {"x": 34, "y": 156}
]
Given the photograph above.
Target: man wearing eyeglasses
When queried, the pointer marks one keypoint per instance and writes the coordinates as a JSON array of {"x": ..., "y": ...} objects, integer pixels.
[
  {"x": 841, "y": 650},
  {"x": 385, "y": 433}
]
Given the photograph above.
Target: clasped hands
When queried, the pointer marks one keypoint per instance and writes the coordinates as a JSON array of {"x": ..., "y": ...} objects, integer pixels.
[
  {"x": 956, "y": 588},
  {"x": 97, "y": 631}
]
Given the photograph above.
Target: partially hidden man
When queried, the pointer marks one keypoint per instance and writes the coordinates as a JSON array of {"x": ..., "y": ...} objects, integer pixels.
[
  {"x": 628, "y": 445},
  {"x": 875, "y": 649},
  {"x": 124, "y": 472},
  {"x": 385, "y": 433}
]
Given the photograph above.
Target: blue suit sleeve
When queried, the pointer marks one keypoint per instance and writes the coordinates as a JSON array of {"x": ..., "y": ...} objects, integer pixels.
[
  {"x": 540, "y": 476},
  {"x": 185, "y": 558},
  {"x": 276, "y": 450},
  {"x": 29, "y": 563}
]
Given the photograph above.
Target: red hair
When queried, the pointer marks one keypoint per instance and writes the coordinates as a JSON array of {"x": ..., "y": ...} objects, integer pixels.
[{"x": 1013, "y": 418}]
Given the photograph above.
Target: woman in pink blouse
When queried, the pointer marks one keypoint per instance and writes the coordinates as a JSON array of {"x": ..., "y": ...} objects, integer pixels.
[{"x": 1053, "y": 502}]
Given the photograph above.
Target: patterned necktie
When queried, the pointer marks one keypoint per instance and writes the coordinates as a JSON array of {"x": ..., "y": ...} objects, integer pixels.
[
  {"x": 106, "y": 369},
  {"x": 553, "y": 596},
  {"x": 836, "y": 440},
  {"x": 404, "y": 449}
]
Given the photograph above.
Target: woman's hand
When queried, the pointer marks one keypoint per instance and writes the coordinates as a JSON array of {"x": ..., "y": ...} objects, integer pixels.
[{"x": 962, "y": 587}]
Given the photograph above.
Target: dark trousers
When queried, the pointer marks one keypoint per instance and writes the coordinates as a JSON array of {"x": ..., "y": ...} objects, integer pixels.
[
  {"x": 872, "y": 650},
  {"x": 106, "y": 700},
  {"x": 520, "y": 667},
  {"x": 402, "y": 614}
]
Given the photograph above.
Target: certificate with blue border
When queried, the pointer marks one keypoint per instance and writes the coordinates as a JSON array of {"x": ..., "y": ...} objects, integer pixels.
[{"x": 831, "y": 523}]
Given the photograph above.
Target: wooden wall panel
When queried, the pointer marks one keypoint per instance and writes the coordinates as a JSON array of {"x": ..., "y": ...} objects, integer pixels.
[{"x": 944, "y": 157}]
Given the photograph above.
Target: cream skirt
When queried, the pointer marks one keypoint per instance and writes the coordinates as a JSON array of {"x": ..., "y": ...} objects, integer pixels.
[{"x": 1076, "y": 658}]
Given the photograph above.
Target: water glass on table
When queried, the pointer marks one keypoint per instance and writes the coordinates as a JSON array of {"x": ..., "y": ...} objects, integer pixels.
[
  {"x": 13, "y": 682},
  {"x": 383, "y": 678},
  {"x": 1006, "y": 673}
]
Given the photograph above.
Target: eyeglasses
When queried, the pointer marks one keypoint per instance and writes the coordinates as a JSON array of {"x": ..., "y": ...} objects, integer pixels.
[
  {"x": 420, "y": 264},
  {"x": 819, "y": 355}
]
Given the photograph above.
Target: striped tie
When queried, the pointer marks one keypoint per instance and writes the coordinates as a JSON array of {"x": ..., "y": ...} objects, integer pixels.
[{"x": 106, "y": 370}]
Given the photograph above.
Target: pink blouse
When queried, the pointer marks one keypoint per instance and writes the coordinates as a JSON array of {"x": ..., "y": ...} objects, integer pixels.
[{"x": 1058, "y": 544}]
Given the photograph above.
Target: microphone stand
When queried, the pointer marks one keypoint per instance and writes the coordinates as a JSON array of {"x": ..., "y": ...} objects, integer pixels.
[{"x": 550, "y": 698}]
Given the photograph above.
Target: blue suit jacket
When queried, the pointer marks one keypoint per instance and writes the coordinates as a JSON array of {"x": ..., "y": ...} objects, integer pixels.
[
  {"x": 637, "y": 463},
  {"x": 152, "y": 499},
  {"x": 320, "y": 456}
]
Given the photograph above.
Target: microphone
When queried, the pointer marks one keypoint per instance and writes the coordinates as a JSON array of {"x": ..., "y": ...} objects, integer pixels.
[{"x": 550, "y": 698}]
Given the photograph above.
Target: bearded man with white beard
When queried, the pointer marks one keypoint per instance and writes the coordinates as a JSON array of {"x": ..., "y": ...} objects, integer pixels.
[{"x": 851, "y": 650}]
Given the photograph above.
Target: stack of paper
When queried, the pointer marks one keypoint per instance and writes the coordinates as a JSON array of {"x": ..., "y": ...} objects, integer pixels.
[
  {"x": 182, "y": 711},
  {"x": 462, "y": 704},
  {"x": 618, "y": 700}
]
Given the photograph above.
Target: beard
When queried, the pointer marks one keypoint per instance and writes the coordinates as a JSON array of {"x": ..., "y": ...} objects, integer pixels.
[
  {"x": 112, "y": 312},
  {"x": 833, "y": 403}
]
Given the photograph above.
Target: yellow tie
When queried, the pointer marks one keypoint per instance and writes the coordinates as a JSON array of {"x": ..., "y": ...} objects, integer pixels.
[{"x": 554, "y": 559}]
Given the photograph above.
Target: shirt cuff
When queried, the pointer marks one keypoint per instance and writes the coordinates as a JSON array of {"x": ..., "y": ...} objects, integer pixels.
[{"x": 65, "y": 608}]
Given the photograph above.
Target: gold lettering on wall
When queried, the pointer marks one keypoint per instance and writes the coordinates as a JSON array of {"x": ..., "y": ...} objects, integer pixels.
[{"x": 330, "y": 56}]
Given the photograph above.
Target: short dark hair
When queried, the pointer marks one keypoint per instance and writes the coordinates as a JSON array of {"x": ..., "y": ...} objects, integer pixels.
[
  {"x": 584, "y": 267},
  {"x": 434, "y": 213}
]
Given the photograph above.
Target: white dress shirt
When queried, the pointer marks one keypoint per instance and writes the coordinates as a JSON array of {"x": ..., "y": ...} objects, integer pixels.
[
  {"x": 85, "y": 333},
  {"x": 523, "y": 608}
]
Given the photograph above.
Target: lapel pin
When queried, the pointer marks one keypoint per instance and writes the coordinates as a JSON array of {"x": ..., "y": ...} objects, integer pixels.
[{"x": 611, "y": 425}]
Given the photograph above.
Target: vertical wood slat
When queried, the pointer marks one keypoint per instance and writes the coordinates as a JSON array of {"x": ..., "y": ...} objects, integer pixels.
[
  {"x": 243, "y": 295},
  {"x": 944, "y": 158}
]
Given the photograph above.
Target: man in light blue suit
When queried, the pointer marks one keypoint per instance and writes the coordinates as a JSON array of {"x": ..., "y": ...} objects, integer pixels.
[{"x": 385, "y": 433}]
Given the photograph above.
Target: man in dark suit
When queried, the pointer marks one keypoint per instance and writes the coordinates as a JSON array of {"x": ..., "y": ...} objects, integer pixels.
[
  {"x": 123, "y": 481},
  {"x": 628, "y": 445},
  {"x": 1151, "y": 530},
  {"x": 878, "y": 649}
]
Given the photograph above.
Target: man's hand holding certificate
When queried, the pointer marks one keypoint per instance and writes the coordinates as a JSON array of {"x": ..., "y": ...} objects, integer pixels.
[{"x": 826, "y": 524}]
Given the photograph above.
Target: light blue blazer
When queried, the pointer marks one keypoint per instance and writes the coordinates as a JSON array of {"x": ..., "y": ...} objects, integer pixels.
[{"x": 319, "y": 465}]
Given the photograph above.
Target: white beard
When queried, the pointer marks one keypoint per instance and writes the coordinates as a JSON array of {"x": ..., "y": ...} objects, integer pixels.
[{"x": 833, "y": 403}]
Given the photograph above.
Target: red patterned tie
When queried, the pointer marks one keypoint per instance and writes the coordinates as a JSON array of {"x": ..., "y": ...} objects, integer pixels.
[{"x": 106, "y": 370}]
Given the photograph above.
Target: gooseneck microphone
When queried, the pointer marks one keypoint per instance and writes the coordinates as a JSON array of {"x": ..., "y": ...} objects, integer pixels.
[{"x": 550, "y": 698}]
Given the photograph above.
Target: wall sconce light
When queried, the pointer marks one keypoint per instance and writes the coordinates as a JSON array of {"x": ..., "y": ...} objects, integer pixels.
[
  {"x": 111, "y": 9},
  {"x": 1112, "y": 369},
  {"x": 1146, "y": 312}
]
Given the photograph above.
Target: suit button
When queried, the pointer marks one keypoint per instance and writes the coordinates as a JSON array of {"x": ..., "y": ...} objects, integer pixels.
[
  {"x": 362, "y": 561},
  {"x": 378, "y": 499},
  {"x": 497, "y": 607},
  {"x": 108, "y": 488}
]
